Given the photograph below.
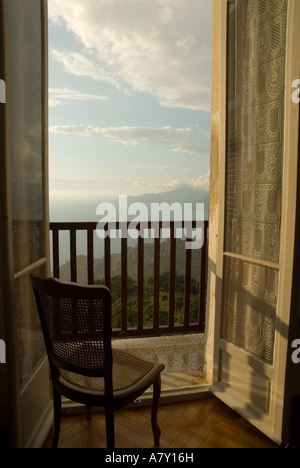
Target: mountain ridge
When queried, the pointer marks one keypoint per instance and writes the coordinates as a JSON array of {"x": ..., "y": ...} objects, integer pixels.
[
  {"x": 132, "y": 259},
  {"x": 180, "y": 195}
]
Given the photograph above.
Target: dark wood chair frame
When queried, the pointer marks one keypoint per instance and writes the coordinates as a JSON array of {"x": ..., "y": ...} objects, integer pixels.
[{"x": 110, "y": 399}]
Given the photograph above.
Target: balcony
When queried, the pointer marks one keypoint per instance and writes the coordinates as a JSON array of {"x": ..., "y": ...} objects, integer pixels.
[{"x": 171, "y": 329}]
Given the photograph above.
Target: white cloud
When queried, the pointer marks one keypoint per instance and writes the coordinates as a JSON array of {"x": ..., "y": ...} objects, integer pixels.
[
  {"x": 191, "y": 149},
  {"x": 172, "y": 184},
  {"x": 161, "y": 47},
  {"x": 58, "y": 95},
  {"x": 201, "y": 181},
  {"x": 170, "y": 137},
  {"x": 55, "y": 102},
  {"x": 64, "y": 93},
  {"x": 79, "y": 65},
  {"x": 148, "y": 167}
]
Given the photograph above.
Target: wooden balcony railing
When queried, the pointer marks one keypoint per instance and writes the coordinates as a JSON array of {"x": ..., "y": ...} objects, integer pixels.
[{"x": 140, "y": 329}]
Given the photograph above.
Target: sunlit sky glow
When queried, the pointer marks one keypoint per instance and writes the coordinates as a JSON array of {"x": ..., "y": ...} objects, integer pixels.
[{"x": 129, "y": 97}]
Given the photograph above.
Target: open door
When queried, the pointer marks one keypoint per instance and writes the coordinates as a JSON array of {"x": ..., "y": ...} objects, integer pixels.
[
  {"x": 259, "y": 61},
  {"x": 24, "y": 247}
]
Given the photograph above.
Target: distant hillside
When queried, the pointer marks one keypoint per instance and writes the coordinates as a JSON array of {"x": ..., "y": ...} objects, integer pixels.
[
  {"x": 132, "y": 258},
  {"x": 181, "y": 195}
]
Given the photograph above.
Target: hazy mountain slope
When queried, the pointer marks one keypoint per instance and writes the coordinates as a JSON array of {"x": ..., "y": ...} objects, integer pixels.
[{"x": 132, "y": 257}]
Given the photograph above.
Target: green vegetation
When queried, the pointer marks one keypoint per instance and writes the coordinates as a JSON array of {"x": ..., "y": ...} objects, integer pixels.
[{"x": 132, "y": 301}]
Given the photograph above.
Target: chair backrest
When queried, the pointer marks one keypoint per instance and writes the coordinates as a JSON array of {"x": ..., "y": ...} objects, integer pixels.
[{"x": 76, "y": 324}]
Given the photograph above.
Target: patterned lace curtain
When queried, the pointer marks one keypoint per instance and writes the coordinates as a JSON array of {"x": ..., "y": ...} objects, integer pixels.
[{"x": 255, "y": 133}]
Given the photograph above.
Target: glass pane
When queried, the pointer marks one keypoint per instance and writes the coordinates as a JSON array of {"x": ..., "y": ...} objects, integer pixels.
[
  {"x": 26, "y": 141},
  {"x": 255, "y": 130},
  {"x": 26, "y": 131},
  {"x": 31, "y": 347}
]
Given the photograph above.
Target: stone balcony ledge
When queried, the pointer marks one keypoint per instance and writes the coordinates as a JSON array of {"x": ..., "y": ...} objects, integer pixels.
[{"x": 182, "y": 355}]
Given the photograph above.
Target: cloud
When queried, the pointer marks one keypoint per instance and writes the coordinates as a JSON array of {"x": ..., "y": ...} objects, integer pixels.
[
  {"x": 201, "y": 182},
  {"x": 191, "y": 149},
  {"x": 172, "y": 184},
  {"x": 55, "y": 103},
  {"x": 79, "y": 65},
  {"x": 171, "y": 137},
  {"x": 58, "y": 95},
  {"x": 149, "y": 167},
  {"x": 162, "y": 47}
]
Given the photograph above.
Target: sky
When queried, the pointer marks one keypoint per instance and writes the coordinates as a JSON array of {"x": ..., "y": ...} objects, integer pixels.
[{"x": 129, "y": 97}]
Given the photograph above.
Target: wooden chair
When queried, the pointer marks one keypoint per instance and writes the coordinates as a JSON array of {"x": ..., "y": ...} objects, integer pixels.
[{"x": 76, "y": 324}]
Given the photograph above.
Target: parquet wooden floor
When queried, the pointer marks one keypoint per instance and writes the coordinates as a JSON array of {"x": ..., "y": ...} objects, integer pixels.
[{"x": 206, "y": 423}]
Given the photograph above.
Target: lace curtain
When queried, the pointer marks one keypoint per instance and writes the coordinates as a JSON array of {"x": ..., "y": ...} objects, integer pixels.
[{"x": 255, "y": 133}]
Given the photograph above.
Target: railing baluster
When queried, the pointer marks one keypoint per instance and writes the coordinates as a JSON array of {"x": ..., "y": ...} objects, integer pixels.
[
  {"x": 90, "y": 252},
  {"x": 124, "y": 280},
  {"x": 140, "y": 319},
  {"x": 203, "y": 279},
  {"x": 55, "y": 247},
  {"x": 172, "y": 281},
  {"x": 73, "y": 255},
  {"x": 107, "y": 265},
  {"x": 187, "y": 286},
  {"x": 156, "y": 279}
]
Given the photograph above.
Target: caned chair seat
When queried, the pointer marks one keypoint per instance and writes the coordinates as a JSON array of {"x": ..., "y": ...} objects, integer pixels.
[
  {"x": 76, "y": 324},
  {"x": 129, "y": 374}
]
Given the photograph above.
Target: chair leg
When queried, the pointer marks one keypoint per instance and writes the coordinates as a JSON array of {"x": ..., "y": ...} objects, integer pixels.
[
  {"x": 57, "y": 417},
  {"x": 156, "y": 396},
  {"x": 110, "y": 428}
]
